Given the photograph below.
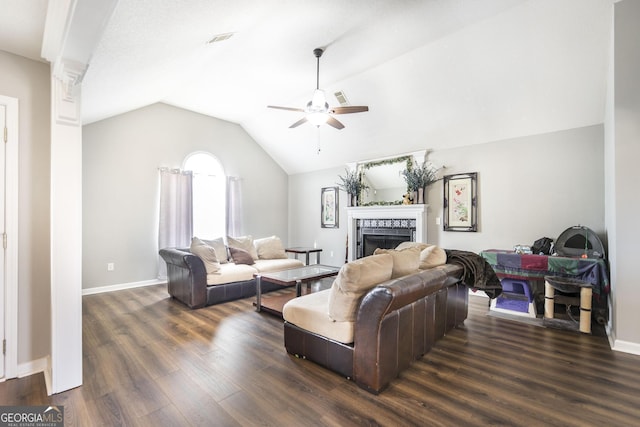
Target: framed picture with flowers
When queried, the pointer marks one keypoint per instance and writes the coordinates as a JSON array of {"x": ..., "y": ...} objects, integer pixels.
[
  {"x": 460, "y": 202},
  {"x": 329, "y": 207}
]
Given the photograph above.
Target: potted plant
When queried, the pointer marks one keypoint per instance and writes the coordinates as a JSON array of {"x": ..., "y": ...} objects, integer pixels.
[
  {"x": 352, "y": 184},
  {"x": 418, "y": 178}
]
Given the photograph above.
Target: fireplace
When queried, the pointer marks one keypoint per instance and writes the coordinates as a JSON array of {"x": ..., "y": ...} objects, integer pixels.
[
  {"x": 371, "y": 227},
  {"x": 383, "y": 233}
]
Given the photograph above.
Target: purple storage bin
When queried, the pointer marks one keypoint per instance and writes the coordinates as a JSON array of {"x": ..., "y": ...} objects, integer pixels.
[{"x": 517, "y": 287}]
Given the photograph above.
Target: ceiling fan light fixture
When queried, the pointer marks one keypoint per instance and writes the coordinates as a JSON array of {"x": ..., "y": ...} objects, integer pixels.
[
  {"x": 317, "y": 110},
  {"x": 318, "y": 99},
  {"x": 317, "y": 119}
]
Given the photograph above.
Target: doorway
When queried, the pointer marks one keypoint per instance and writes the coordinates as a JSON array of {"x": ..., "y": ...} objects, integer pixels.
[{"x": 9, "y": 237}]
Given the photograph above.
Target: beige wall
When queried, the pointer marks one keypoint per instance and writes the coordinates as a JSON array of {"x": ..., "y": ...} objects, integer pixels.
[
  {"x": 623, "y": 153},
  {"x": 121, "y": 157},
  {"x": 527, "y": 187},
  {"x": 29, "y": 81}
]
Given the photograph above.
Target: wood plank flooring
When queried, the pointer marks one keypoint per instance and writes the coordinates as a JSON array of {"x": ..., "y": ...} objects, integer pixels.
[{"x": 150, "y": 361}]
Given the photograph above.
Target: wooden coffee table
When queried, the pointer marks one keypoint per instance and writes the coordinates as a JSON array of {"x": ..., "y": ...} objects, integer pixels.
[{"x": 291, "y": 277}]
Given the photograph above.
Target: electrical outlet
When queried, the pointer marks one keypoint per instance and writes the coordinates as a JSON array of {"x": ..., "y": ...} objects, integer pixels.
[{"x": 111, "y": 266}]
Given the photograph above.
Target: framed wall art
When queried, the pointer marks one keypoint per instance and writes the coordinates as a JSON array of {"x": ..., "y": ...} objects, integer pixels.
[
  {"x": 329, "y": 207},
  {"x": 461, "y": 202}
]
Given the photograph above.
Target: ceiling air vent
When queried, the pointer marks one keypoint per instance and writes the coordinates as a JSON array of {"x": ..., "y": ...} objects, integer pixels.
[
  {"x": 220, "y": 37},
  {"x": 342, "y": 98}
]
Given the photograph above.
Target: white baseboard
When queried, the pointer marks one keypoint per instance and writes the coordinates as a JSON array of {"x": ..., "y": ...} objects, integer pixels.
[
  {"x": 47, "y": 377},
  {"x": 33, "y": 367},
  {"x": 122, "y": 286},
  {"x": 621, "y": 345}
]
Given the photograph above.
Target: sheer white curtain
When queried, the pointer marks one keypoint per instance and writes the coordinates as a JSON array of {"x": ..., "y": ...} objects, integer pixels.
[
  {"x": 176, "y": 212},
  {"x": 234, "y": 206}
]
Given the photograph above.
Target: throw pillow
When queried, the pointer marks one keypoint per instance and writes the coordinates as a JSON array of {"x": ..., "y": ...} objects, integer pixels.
[
  {"x": 240, "y": 256},
  {"x": 245, "y": 243},
  {"x": 405, "y": 261},
  {"x": 207, "y": 254},
  {"x": 353, "y": 281},
  {"x": 270, "y": 248},
  {"x": 430, "y": 255},
  {"x": 220, "y": 247}
]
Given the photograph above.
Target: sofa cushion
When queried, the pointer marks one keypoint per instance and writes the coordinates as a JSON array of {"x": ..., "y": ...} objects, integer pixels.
[
  {"x": 206, "y": 253},
  {"x": 309, "y": 312},
  {"x": 430, "y": 255},
  {"x": 230, "y": 273},
  {"x": 269, "y": 248},
  {"x": 405, "y": 261},
  {"x": 271, "y": 265},
  {"x": 353, "y": 281},
  {"x": 220, "y": 248},
  {"x": 240, "y": 256},
  {"x": 244, "y": 243}
]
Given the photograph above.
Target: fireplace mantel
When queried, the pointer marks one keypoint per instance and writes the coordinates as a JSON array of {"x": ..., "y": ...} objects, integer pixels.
[{"x": 417, "y": 212}]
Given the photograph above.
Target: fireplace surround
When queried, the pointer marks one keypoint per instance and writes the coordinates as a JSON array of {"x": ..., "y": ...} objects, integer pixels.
[{"x": 384, "y": 225}]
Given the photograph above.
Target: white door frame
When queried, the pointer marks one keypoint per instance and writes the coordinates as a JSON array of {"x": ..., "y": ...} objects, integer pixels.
[{"x": 11, "y": 253}]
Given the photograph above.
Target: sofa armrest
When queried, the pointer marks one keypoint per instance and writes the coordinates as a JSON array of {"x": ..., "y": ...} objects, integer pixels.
[
  {"x": 186, "y": 277},
  {"x": 396, "y": 324}
]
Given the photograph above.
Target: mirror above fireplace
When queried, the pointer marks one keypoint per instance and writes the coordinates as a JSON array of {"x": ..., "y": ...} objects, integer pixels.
[{"x": 384, "y": 178}]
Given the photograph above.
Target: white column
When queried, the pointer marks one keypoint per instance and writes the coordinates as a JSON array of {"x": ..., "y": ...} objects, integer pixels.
[{"x": 66, "y": 230}]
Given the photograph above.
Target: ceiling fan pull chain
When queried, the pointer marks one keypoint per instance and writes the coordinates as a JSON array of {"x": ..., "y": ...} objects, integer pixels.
[{"x": 318, "y": 139}]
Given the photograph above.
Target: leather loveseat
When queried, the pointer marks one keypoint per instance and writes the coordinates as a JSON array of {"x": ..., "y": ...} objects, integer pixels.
[
  {"x": 198, "y": 280},
  {"x": 396, "y": 322}
]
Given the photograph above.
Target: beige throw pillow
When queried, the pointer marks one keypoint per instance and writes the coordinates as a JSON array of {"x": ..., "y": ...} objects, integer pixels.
[
  {"x": 270, "y": 248},
  {"x": 430, "y": 255},
  {"x": 220, "y": 248},
  {"x": 244, "y": 243},
  {"x": 353, "y": 281},
  {"x": 405, "y": 261},
  {"x": 207, "y": 254}
]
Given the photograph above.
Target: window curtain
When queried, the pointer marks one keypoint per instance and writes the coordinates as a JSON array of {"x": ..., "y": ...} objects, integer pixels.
[
  {"x": 176, "y": 212},
  {"x": 234, "y": 206}
]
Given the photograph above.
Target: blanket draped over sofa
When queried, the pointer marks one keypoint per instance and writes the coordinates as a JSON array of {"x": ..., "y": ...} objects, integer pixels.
[{"x": 478, "y": 273}]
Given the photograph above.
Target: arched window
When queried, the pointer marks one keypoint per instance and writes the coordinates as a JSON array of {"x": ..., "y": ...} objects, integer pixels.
[{"x": 209, "y": 197}]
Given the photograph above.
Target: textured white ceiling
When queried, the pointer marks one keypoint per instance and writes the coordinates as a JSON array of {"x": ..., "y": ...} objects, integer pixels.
[{"x": 434, "y": 73}]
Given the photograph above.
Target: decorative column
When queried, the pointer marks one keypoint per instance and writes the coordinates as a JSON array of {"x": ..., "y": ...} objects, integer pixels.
[
  {"x": 72, "y": 32},
  {"x": 66, "y": 228}
]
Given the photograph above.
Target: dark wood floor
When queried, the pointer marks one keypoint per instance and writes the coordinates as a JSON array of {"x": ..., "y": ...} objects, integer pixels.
[{"x": 150, "y": 361}]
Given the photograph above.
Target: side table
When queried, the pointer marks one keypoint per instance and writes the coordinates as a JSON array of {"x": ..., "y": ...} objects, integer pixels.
[{"x": 303, "y": 250}]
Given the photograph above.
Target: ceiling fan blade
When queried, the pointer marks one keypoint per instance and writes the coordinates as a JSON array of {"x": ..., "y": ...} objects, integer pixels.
[
  {"x": 286, "y": 108},
  {"x": 349, "y": 109},
  {"x": 331, "y": 121},
  {"x": 298, "y": 123}
]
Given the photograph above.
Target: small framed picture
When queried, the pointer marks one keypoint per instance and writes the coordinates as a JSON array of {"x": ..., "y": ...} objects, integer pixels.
[
  {"x": 329, "y": 207},
  {"x": 460, "y": 202}
]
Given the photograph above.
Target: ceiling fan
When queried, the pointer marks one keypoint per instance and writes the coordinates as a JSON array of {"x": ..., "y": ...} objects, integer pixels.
[{"x": 317, "y": 110}]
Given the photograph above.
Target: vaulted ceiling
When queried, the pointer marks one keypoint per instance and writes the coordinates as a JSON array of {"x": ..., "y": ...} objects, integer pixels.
[{"x": 434, "y": 73}]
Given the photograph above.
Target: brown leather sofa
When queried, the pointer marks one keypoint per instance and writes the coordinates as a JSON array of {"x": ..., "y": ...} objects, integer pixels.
[
  {"x": 397, "y": 322},
  {"x": 187, "y": 280}
]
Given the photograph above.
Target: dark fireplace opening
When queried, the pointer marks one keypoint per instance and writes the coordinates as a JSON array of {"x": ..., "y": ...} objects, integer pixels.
[{"x": 382, "y": 238}]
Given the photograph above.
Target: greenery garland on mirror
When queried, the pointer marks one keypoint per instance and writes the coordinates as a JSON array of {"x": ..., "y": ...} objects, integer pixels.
[{"x": 408, "y": 159}]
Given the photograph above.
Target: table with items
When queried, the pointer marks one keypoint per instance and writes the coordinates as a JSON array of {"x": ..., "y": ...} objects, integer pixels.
[{"x": 508, "y": 264}]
